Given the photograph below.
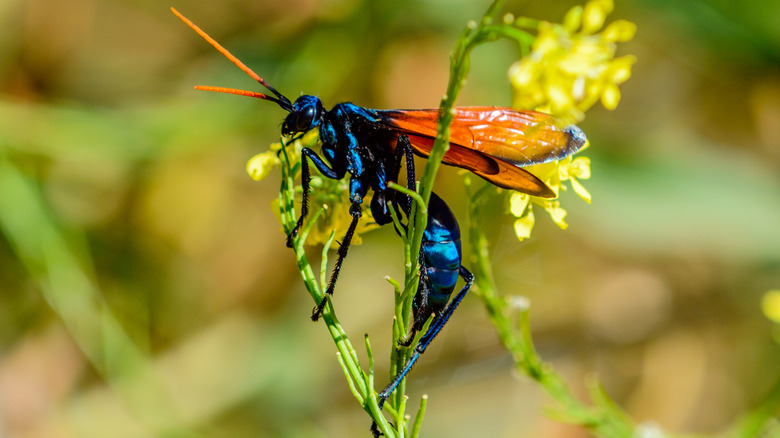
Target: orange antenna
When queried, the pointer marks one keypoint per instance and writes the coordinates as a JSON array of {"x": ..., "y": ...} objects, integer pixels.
[
  {"x": 231, "y": 91},
  {"x": 279, "y": 99}
]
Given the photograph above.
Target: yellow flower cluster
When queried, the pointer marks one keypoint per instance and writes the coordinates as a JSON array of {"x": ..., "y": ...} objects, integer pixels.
[
  {"x": 325, "y": 193},
  {"x": 571, "y": 66},
  {"x": 259, "y": 166},
  {"x": 553, "y": 174}
]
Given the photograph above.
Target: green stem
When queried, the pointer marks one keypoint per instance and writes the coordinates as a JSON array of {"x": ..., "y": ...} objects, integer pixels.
[{"x": 420, "y": 414}]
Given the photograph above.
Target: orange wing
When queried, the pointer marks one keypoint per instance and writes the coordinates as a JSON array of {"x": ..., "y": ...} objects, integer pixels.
[{"x": 493, "y": 142}]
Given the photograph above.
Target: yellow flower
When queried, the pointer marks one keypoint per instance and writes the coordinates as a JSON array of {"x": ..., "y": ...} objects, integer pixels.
[
  {"x": 524, "y": 225},
  {"x": 571, "y": 66},
  {"x": 770, "y": 305},
  {"x": 572, "y": 168},
  {"x": 553, "y": 174},
  {"x": 259, "y": 166}
]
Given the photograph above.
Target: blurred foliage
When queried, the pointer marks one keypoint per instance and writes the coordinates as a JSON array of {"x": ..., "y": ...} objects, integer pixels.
[{"x": 144, "y": 284}]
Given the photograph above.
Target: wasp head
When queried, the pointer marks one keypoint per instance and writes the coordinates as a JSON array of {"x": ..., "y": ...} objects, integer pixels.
[{"x": 306, "y": 113}]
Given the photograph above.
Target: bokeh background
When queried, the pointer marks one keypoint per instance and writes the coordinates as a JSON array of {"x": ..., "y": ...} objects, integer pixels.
[{"x": 145, "y": 288}]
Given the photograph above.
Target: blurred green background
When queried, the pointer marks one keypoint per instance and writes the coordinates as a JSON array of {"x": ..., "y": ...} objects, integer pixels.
[{"x": 145, "y": 288}]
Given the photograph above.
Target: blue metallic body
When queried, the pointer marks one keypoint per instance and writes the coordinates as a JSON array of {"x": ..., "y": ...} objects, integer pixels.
[{"x": 440, "y": 260}]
